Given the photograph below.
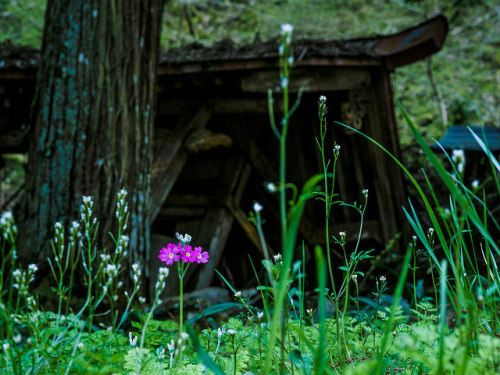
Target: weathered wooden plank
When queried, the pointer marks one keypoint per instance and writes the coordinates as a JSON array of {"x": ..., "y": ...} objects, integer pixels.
[
  {"x": 181, "y": 212},
  {"x": 253, "y": 153},
  {"x": 171, "y": 158},
  {"x": 242, "y": 182},
  {"x": 248, "y": 228},
  {"x": 240, "y": 216},
  {"x": 195, "y": 200},
  {"x": 214, "y": 231},
  {"x": 308, "y": 80},
  {"x": 163, "y": 182},
  {"x": 217, "y": 105},
  {"x": 204, "y": 140},
  {"x": 227, "y": 180},
  {"x": 212, "y": 168},
  {"x": 389, "y": 186},
  {"x": 240, "y": 105},
  {"x": 230, "y": 176}
]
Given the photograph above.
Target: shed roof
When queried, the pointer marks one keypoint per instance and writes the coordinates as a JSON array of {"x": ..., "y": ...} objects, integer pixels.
[
  {"x": 391, "y": 51},
  {"x": 460, "y": 137}
]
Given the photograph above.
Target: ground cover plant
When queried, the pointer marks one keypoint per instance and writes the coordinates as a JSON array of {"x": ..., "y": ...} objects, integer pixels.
[{"x": 454, "y": 330}]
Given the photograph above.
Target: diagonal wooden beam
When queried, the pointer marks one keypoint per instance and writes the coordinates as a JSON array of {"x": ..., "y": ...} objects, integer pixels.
[
  {"x": 170, "y": 157},
  {"x": 214, "y": 231}
]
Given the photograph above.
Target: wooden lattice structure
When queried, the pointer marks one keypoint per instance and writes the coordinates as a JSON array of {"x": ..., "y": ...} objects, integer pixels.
[{"x": 214, "y": 149}]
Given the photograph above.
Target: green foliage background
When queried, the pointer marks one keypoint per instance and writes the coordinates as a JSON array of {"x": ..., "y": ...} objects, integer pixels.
[{"x": 467, "y": 70}]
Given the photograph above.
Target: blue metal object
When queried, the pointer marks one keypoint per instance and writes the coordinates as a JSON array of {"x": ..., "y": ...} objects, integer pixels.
[{"x": 459, "y": 137}]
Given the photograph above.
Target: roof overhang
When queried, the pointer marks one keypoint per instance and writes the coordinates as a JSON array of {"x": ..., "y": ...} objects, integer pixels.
[{"x": 389, "y": 51}]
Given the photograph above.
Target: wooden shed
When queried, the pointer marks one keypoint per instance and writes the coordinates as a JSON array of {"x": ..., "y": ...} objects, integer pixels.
[{"x": 214, "y": 149}]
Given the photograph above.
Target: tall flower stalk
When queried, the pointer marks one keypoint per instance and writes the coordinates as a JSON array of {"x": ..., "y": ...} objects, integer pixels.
[
  {"x": 290, "y": 219},
  {"x": 183, "y": 255}
]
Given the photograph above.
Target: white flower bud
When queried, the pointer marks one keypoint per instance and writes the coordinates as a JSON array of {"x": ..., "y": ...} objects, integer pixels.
[{"x": 286, "y": 29}]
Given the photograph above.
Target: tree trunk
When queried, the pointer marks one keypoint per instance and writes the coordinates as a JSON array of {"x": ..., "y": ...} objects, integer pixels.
[{"x": 92, "y": 119}]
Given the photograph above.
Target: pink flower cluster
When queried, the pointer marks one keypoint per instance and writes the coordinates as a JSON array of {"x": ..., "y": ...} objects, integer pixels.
[{"x": 174, "y": 253}]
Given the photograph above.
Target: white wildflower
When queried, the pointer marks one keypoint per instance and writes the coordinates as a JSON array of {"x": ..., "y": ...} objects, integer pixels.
[
  {"x": 163, "y": 273},
  {"x": 458, "y": 156},
  {"x": 160, "y": 353},
  {"x": 231, "y": 332},
  {"x": 336, "y": 150},
  {"x": 284, "y": 82},
  {"x": 33, "y": 268},
  {"x": 87, "y": 199},
  {"x": 257, "y": 207},
  {"x": 221, "y": 331},
  {"x": 281, "y": 50},
  {"x": 122, "y": 194},
  {"x": 111, "y": 270},
  {"x": 6, "y": 218},
  {"x": 271, "y": 187},
  {"x": 30, "y": 300},
  {"x": 132, "y": 339},
  {"x": 342, "y": 236},
  {"x": 185, "y": 239},
  {"x": 124, "y": 239},
  {"x": 286, "y": 29},
  {"x": 171, "y": 346},
  {"x": 237, "y": 295}
]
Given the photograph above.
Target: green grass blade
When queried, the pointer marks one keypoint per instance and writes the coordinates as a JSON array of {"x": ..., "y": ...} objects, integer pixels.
[
  {"x": 321, "y": 277},
  {"x": 389, "y": 326}
]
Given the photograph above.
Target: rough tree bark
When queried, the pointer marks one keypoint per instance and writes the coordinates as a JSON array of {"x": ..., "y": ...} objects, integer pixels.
[{"x": 93, "y": 118}]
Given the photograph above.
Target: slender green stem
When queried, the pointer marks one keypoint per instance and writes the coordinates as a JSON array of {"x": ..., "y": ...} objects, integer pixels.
[
  {"x": 375, "y": 321},
  {"x": 284, "y": 133},
  {"x": 328, "y": 205},
  {"x": 181, "y": 307}
]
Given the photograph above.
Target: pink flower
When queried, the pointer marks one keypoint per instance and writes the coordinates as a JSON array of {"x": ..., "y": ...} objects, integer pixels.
[
  {"x": 170, "y": 254},
  {"x": 201, "y": 256},
  {"x": 188, "y": 254}
]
